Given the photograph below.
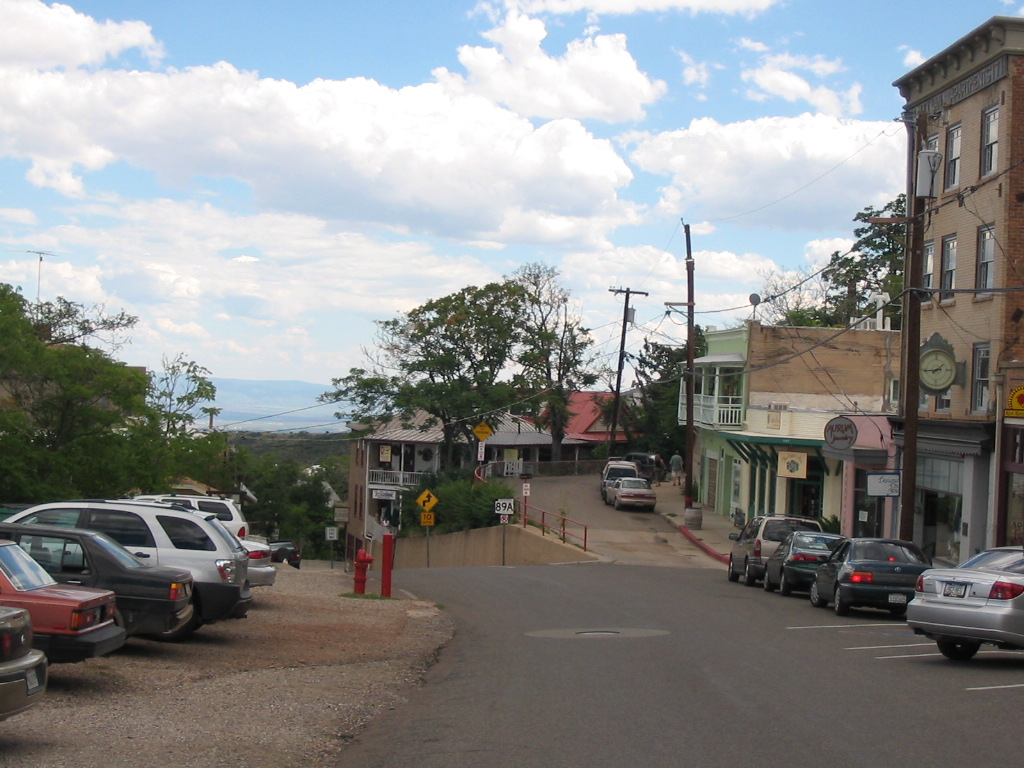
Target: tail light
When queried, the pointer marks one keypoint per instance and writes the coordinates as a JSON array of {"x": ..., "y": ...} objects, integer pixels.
[
  {"x": 919, "y": 586},
  {"x": 177, "y": 590},
  {"x": 15, "y": 636},
  {"x": 862, "y": 577},
  {"x": 800, "y": 557},
  {"x": 84, "y": 619},
  {"x": 1004, "y": 590},
  {"x": 757, "y": 547},
  {"x": 241, "y": 532},
  {"x": 258, "y": 554},
  {"x": 226, "y": 568}
]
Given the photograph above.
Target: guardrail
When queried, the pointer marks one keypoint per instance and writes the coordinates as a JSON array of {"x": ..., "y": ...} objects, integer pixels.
[{"x": 567, "y": 530}]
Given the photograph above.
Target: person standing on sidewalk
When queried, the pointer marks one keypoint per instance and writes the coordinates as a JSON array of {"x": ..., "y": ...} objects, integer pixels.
[
  {"x": 659, "y": 469},
  {"x": 675, "y": 466}
]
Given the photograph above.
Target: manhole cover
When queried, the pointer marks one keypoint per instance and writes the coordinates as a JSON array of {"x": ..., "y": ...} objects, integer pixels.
[{"x": 616, "y": 632}]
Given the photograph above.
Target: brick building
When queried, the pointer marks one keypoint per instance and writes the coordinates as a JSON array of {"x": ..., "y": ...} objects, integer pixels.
[{"x": 965, "y": 107}]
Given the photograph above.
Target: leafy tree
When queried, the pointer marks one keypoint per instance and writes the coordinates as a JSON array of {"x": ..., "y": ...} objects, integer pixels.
[
  {"x": 447, "y": 358},
  {"x": 554, "y": 355},
  {"x": 659, "y": 371}
]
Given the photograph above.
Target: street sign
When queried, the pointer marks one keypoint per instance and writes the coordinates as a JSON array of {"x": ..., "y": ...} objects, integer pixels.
[
  {"x": 503, "y": 519},
  {"x": 426, "y": 519},
  {"x": 384, "y": 494},
  {"x": 331, "y": 533},
  {"x": 481, "y": 450},
  {"x": 483, "y": 430},
  {"x": 427, "y": 500},
  {"x": 526, "y": 489},
  {"x": 504, "y": 506}
]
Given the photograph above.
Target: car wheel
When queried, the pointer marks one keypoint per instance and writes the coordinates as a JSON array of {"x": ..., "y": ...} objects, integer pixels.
[
  {"x": 733, "y": 576},
  {"x": 767, "y": 582},
  {"x": 185, "y": 630},
  {"x": 842, "y": 607},
  {"x": 785, "y": 588},
  {"x": 958, "y": 650},
  {"x": 748, "y": 576},
  {"x": 816, "y": 599}
]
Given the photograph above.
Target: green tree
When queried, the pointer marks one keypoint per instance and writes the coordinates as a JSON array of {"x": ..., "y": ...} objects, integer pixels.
[
  {"x": 447, "y": 358},
  {"x": 659, "y": 371},
  {"x": 554, "y": 355}
]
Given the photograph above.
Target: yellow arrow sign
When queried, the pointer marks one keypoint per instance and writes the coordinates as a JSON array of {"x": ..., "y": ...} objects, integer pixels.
[{"x": 427, "y": 500}]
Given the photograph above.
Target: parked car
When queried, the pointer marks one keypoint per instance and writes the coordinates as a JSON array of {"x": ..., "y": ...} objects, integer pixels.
[
  {"x": 151, "y": 599},
  {"x": 612, "y": 471},
  {"x": 878, "y": 573},
  {"x": 285, "y": 551},
  {"x": 161, "y": 534},
  {"x": 262, "y": 572},
  {"x": 758, "y": 540},
  {"x": 631, "y": 492},
  {"x": 980, "y": 601},
  {"x": 794, "y": 563},
  {"x": 69, "y": 624},
  {"x": 226, "y": 510},
  {"x": 23, "y": 669}
]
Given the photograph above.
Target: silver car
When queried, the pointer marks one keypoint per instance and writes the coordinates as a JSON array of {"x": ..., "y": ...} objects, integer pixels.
[
  {"x": 981, "y": 601},
  {"x": 262, "y": 572}
]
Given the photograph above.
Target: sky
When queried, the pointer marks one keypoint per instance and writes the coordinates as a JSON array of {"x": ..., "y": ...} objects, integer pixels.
[{"x": 260, "y": 181}]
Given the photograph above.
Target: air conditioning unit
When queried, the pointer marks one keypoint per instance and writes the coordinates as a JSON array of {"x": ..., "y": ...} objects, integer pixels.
[{"x": 778, "y": 406}]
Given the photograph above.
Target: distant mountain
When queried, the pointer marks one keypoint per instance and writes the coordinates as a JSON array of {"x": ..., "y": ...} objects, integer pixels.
[{"x": 274, "y": 406}]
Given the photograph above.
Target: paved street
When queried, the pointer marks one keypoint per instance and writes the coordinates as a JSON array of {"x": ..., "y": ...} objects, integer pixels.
[{"x": 606, "y": 664}]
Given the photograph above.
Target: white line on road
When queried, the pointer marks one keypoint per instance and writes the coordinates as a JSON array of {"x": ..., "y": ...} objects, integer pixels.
[
  {"x": 841, "y": 626},
  {"x": 880, "y": 647},
  {"x": 994, "y": 687}
]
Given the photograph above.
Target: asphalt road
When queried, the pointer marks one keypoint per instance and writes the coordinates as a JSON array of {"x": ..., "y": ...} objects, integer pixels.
[{"x": 607, "y": 664}]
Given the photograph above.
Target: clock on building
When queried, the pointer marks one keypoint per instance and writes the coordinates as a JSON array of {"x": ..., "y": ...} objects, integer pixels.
[{"x": 938, "y": 370}]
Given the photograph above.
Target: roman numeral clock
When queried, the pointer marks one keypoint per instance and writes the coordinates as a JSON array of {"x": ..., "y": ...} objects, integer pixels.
[{"x": 938, "y": 367}]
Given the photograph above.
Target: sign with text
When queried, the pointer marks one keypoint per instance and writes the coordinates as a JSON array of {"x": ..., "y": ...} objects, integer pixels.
[
  {"x": 379, "y": 493},
  {"x": 840, "y": 434},
  {"x": 426, "y": 519},
  {"x": 331, "y": 533},
  {"x": 504, "y": 506},
  {"x": 883, "y": 483}
]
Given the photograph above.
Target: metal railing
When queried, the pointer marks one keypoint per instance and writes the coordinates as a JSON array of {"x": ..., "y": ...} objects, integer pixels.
[
  {"x": 393, "y": 477},
  {"x": 567, "y": 530}
]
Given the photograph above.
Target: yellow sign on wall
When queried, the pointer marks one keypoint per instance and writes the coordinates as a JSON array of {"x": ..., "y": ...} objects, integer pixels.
[
  {"x": 426, "y": 519},
  {"x": 792, "y": 464},
  {"x": 1015, "y": 404}
]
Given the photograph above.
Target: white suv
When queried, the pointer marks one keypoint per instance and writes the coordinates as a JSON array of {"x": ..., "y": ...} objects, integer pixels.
[
  {"x": 159, "y": 534},
  {"x": 227, "y": 512}
]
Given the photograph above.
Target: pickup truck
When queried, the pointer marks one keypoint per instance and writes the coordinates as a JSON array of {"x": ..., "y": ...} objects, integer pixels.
[{"x": 285, "y": 551}]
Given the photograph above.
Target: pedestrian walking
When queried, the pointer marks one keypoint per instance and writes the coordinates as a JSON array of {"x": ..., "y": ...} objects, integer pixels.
[
  {"x": 659, "y": 468},
  {"x": 675, "y": 466}
]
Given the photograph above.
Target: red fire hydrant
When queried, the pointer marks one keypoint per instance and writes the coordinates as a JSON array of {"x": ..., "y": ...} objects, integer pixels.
[{"x": 362, "y": 564}]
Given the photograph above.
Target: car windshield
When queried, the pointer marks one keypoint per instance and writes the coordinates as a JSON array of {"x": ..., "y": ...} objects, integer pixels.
[
  {"x": 1011, "y": 560},
  {"x": 886, "y": 551},
  {"x": 614, "y": 472},
  {"x": 22, "y": 571},
  {"x": 778, "y": 530},
  {"x": 117, "y": 552},
  {"x": 633, "y": 483},
  {"x": 822, "y": 543}
]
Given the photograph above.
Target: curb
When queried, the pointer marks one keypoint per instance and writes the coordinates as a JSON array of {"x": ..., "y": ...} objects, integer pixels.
[{"x": 724, "y": 559}]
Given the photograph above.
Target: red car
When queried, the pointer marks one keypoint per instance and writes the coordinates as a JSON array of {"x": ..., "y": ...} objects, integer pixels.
[{"x": 69, "y": 623}]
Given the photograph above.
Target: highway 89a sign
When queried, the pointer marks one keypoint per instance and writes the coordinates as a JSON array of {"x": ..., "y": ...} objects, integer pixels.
[{"x": 504, "y": 506}]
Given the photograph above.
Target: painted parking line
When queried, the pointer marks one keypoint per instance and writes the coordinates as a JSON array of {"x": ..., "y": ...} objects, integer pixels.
[
  {"x": 994, "y": 687},
  {"x": 883, "y": 647},
  {"x": 842, "y": 626}
]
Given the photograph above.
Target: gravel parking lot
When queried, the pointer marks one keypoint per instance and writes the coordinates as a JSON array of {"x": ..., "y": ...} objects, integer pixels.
[{"x": 288, "y": 686}]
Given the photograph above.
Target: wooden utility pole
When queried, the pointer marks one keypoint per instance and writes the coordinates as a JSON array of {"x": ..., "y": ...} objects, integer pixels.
[
  {"x": 622, "y": 357},
  {"x": 691, "y": 337}
]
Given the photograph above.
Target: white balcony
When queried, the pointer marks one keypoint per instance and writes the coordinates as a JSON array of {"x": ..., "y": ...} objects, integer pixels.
[
  {"x": 393, "y": 477},
  {"x": 718, "y": 412}
]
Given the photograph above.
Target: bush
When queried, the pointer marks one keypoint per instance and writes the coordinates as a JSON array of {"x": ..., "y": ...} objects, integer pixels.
[{"x": 462, "y": 504}]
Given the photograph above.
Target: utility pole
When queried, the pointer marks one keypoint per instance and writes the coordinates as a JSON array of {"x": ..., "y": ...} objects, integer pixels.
[
  {"x": 691, "y": 340},
  {"x": 622, "y": 357}
]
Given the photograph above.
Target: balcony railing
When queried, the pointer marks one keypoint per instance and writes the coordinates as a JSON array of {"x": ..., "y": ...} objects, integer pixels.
[
  {"x": 394, "y": 477},
  {"x": 723, "y": 412}
]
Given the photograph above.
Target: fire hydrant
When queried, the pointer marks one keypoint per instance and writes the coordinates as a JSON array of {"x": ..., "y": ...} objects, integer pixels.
[{"x": 362, "y": 564}]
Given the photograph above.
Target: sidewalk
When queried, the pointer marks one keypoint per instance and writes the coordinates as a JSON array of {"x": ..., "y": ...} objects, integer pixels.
[{"x": 712, "y": 537}]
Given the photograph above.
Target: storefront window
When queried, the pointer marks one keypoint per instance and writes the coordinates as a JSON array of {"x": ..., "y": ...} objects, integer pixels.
[
  {"x": 942, "y": 513},
  {"x": 868, "y": 511}
]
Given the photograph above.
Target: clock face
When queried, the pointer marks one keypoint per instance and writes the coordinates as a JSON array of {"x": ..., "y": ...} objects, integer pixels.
[{"x": 938, "y": 370}]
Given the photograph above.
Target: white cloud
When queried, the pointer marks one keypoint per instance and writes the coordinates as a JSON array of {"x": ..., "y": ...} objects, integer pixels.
[
  {"x": 745, "y": 43},
  {"x": 912, "y": 58},
  {"x": 39, "y": 36},
  {"x": 781, "y": 173},
  {"x": 776, "y": 76},
  {"x": 694, "y": 72},
  {"x": 18, "y": 216},
  {"x": 596, "y": 78},
  {"x": 745, "y": 7}
]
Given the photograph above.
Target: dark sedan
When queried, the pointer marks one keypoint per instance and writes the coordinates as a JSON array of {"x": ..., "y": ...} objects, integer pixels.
[
  {"x": 878, "y": 573},
  {"x": 794, "y": 563},
  {"x": 285, "y": 551},
  {"x": 150, "y": 599}
]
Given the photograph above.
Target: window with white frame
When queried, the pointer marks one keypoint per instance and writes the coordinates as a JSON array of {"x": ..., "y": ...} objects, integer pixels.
[
  {"x": 953, "y": 134},
  {"x": 989, "y": 140},
  {"x": 948, "y": 277},
  {"x": 980, "y": 378},
  {"x": 943, "y": 402},
  {"x": 928, "y": 274},
  {"x": 986, "y": 256}
]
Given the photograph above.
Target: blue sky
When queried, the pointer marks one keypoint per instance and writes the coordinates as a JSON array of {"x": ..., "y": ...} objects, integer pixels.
[{"x": 259, "y": 181}]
